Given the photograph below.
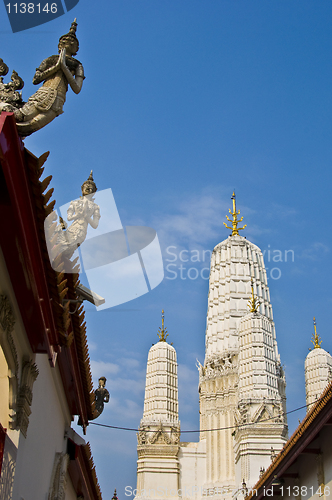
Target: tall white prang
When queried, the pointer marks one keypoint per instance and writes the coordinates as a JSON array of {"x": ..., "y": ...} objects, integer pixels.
[
  {"x": 159, "y": 432},
  {"x": 242, "y": 398},
  {"x": 242, "y": 384}
]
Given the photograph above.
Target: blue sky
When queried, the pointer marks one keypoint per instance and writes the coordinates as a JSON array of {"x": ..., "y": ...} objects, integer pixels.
[{"x": 183, "y": 102}]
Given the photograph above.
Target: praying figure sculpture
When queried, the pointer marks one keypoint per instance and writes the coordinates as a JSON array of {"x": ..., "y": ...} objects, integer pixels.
[
  {"x": 101, "y": 396},
  {"x": 56, "y": 72},
  {"x": 83, "y": 212}
]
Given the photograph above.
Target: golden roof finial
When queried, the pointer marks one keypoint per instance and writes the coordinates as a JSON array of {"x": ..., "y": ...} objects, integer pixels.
[
  {"x": 235, "y": 221},
  {"x": 316, "y": 338},
  {"x": 162, "y": 333},
  {"x": 253, "y": 303}
]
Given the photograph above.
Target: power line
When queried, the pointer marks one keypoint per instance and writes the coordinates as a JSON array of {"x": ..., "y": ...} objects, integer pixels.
[{"x": 206, "y": 430}]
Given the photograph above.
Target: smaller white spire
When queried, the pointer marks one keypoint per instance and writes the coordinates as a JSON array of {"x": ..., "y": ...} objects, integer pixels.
[
  {"x": 317, "y": 370},
  {"x": 159, "y": 433},
  {"x": 161, "y": 387}
]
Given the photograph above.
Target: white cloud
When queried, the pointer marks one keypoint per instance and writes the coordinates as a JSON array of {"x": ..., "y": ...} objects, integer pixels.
[
  {"x": 124, "y": 411},
  {"x": 196, "y": 219},
  {"x": 130, "y": 363},
  {"x": 92, "y": 346},
  {"x": 128, "y": 385},
  {"x": 100, "y": 368},
  {"x": 282, "y": 210},
  {"x": 315, "y": 251}
]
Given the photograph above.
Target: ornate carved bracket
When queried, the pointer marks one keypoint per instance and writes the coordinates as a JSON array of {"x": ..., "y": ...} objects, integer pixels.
[{"x": 29, "y": 375}]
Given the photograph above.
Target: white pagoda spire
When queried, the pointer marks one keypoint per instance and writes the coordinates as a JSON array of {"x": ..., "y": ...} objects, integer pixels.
[
  {"x": 318, "y": 370},
  {"x": 241, "y": 363},
  {"x": 161, "y": 388},
  {"x": 159, "y": 433},
  {"x": 234, "y": 263}
]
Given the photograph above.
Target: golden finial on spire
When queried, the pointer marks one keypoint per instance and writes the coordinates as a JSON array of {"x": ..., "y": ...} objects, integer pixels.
[
  {"x": 235, "y": 221},
  {"x": 316, "y": 338},
  {"x": 253, "y": 302},
  {"x": 162, "y": 333}
]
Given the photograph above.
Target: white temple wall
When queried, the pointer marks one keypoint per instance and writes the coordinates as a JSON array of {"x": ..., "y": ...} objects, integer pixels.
[
  {"x": 158, "y": 474},
  {"x": 45, "y": 435},
  {"x": 192, "y": 457}
]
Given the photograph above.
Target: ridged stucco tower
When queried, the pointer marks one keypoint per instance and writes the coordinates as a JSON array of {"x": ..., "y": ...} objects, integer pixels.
[
  {"x": 317, "y": 370},
  {"x": 241, "y": 389},
  {"x": 159, "y": 432},
  {"x": 241, "y": 385}
]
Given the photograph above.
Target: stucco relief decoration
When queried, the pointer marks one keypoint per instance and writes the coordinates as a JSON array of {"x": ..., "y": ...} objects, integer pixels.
[
  {"x": 175, "y": 435},
  {"x": 142, "y": 436},
  {"x": 243, "y": 412},
  {"x": 278, "y": 412},
  {"x": 146, "y": 435},
  {"x": 263, "y": 415},
  {"x": 218, "y": 366},
  {"x": 58, "y": 481},
  {"x": 160, "y": 437},
  {"x": 24, "y": 401},
  {"x": 280, "y": 371}
]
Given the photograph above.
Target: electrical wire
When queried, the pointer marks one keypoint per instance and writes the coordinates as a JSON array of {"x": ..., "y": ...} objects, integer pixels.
[{"x": 206, "y": 430}]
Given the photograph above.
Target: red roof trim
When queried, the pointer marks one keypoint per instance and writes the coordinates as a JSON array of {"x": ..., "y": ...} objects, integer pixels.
[
  {"x": 82, "y": 475},
  {"x": 34, "y": 282},
  {"x": 20, "y": 243}
]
